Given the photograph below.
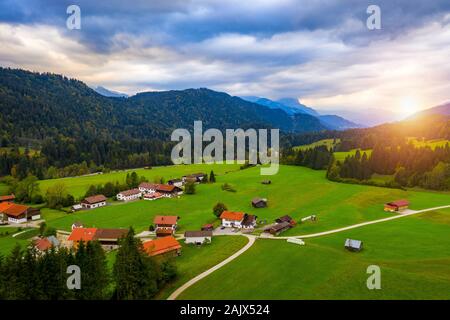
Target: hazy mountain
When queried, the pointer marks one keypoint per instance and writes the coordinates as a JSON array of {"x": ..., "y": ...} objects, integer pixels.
[
  {"x": 292, "y": 107},
  {"x": 337, "y": 122},
  {"x": 109, "y": 93},
  {"x": 368, "y": 117},
  {"x": 443, "y": 109}
]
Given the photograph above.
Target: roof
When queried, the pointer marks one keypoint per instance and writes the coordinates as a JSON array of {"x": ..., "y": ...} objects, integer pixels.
[
  {"x": 147, "y": 185},
  {"x": 77, "y": 224},
  {"x": 280, "y": 226},
  {"x": 14, "y": 210},
  {"x": 7, "y": 197},
  {"x": 195, "y": 234},
  {"x": 42, "y": 244},
  {"x": 398, "y": 203},
  {"x": 82, "y": 234},
  {"x": 351, "y": 243},
  {"x": 5, "y": 205},
  {"x": 153, "y": 195},
  {"x": 165, "y": 220},
  {"x": 257, "y": 200},
  {"x": 164, "y": 231},
  {"x": 285, "y": 218},
  {"x": 130, "y": 192},
  {"x": 110, "y": 233},
  {"x": 95, "y": 199},
  {"x": 161, "y": 245},
  {"x": 249, "y": 219},
  {"x": 229, "y": 215},
  {"x": 175, "y": 180},
  {"x": 165, "y": 187}
]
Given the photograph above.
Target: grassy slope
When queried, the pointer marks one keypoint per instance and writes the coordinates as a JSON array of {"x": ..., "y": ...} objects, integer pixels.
[
  {"x": 412, "y": 253},
  {"x": 307, "y": 191},
  {"x": 78, "y": 186},
  {"x": 7, "y": 242},
  {"x": 429, "y": 143},
  {"x": 325, "y": 142}
]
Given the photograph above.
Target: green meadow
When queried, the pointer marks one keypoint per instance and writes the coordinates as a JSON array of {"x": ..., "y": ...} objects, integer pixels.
[
  {"x": 77, "y": 186},
  {"x": 296, "y": 191},
  {"x": 412, "y": 252},
  {"x": 329, "y": 143}
]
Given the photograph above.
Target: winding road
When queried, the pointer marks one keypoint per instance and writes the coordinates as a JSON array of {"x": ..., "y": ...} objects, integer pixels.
[{"x": 252, "y": 239}]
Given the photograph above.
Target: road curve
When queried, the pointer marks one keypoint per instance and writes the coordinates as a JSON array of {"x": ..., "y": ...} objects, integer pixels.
[
  {"x": 176, "y": 293},
  {"x": 312, "y": 235}
]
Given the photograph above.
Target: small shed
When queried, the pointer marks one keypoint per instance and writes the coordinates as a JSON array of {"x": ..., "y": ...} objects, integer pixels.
[
  {"x": 353, "y": 245},
  {"x": 197, "y": 237},
  {"x": 208, "y": 227},
  {"x": 266, "y": 182},
  {"x": 278, "y": 228},
  {"x": 397, "y": 205},
  {"x": 259, "y": 203}
]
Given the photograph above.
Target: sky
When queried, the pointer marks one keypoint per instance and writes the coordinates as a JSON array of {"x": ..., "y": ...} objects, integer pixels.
[{"x": 318, "y": 51}]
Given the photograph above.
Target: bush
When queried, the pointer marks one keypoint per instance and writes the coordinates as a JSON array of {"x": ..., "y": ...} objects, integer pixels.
[
  {"x": 189, "y": 188},
  {"x": 219, "y": 208},
  {"x": 228, "y": 187}
]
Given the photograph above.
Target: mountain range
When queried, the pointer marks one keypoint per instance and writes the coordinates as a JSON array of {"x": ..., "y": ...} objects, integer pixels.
[{"x": 292, "y": 107}]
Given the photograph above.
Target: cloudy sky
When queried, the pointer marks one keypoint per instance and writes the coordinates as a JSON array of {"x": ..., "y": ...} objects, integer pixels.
[{"x": 316, "y": 50}]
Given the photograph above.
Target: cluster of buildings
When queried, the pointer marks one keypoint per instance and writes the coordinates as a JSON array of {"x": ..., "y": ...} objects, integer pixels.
[
  {"x": 281, "y": 224},
  {"x": 11, "y": 212},
  {"x": 238, "y": 220}
]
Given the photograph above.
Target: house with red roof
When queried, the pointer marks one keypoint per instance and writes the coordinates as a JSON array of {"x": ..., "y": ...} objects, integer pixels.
[
  {"x": 129, "y": 195},
  {"x": 165, "y": 225},
  {"x": 397, "y": 205},
  {"x": 108, "y": 238},
  {"x": 232, "y": 219},
  {"x": 9, "y": 197},
  {"x": 165, "y": 190},
  {"x": 93, "y": 202},
  {"x": 18, "y": 213},
  {"x": 167, "y": 246}
]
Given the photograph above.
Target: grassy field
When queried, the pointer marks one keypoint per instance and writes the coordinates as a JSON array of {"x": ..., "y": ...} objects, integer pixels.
[
  {"x": 3, "y": 188},
  {"x": 8, "y": 242},
  {"x": 77, "y": 186},
  {"x": 296, "y": 191},
  {"x": 429, "y": 143},
  {"x": 330, "y": 143},
  {"x": 411, "y": 252},
  {"x": 341, "y": 155}
]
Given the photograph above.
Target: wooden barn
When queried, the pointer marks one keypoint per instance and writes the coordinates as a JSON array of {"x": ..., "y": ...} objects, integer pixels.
[{"x": 395, "y": 206}]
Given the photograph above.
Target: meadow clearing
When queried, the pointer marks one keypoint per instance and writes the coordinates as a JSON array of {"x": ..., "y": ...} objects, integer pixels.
[
  {"x": 296, "y": 191},
  {"x": 412, "y": 253}
]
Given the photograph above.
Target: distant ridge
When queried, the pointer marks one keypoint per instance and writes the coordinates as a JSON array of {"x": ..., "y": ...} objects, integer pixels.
[
  {"x": 109, "y": 93},
  {"x": 443, "y": 109}
]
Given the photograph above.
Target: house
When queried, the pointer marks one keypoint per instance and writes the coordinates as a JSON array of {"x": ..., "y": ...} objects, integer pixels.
[
  {"x": 108, "y": 238},
  {"x": 77, "y": 224},
  {"x": 8, "y": 198},
  {"x": 397, "y": 205},
  {"x": 195, "y": 177},
  {"x": 76, "y": 207},
  {"x": 94, "y": 202},
  {"x": 44, "y": 244},
  {"x": 266, "y": 182},
  {"x": 82, "y": 234},
  {"x": 285, "y": 218},
  {"x": 152, "y": 196},
  {"x": 146, "y": 187},
  {"x": 164, "y": 189},
  {"x": 167, "y": 246},
  {"x": 353, "y": 245},
  {"x": 129, "y": 195},
  {"x": 168, "y": 190},
  {"x": 259, "y": 203},
  {"x": 197, "y": 237},
  {"x": 232, "y": 219},
  {"x": 165, "y": 225},
  {"x": 278, "y": 228},
  {"x": 18, "y": 213},
  {"x": 208, "y": 227},
  {"x": 176, "y": 182},
  {"x": 249, "y": 221}
]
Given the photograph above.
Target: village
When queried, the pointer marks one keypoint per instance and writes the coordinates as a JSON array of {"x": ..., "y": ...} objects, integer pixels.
[{"x": 162, "y": 238}]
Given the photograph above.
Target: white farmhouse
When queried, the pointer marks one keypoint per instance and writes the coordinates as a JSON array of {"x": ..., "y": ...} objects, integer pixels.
[
  {"x": 232, "y": 219},
  {"x": 197, "y": 237},
  {"x": 94, "y": 202},
  {"x": 129, "y": 195}
]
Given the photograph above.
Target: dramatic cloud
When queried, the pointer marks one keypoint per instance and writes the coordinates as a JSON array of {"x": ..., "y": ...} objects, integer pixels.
[{"x": 318, "y": 51}]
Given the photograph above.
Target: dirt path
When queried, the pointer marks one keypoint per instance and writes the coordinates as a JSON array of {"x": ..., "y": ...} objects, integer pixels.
[{"x": 176, "y": 293}]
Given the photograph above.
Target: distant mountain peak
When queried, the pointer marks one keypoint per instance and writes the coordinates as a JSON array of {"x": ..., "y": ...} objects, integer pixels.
[{"x": 109, "y": 93}]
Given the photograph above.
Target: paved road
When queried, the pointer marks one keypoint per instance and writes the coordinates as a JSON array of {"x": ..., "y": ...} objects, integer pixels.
[{"x": 176, "y": 293}]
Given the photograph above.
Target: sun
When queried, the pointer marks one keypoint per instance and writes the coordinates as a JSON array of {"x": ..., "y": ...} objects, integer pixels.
[{"x": 409, "y": 105}]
